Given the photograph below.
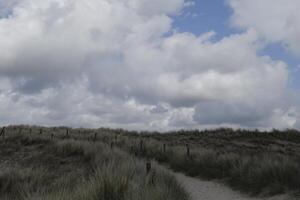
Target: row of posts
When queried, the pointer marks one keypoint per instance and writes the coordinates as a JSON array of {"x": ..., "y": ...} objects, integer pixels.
[
  {"x": 2, "y": 133},
  {"x": 142, "y": 146}
]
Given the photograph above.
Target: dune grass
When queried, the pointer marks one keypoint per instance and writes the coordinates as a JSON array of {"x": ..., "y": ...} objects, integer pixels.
[
  {"x": 254, "y": 172},
  {"x": 41, "y": 168},
  {"x": 254, "y": 162}
]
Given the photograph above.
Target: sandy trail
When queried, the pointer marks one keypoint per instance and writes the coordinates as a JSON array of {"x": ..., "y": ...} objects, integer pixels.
[{"x": 208, "y": 190}]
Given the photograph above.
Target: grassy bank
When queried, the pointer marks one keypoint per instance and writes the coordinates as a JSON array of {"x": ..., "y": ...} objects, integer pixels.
[
  {"x": 38, "y": 166},
  {"x": 257, "y": 163},
  {"x": 254, "y": 162},
  {"x": 264, "y": 173}
]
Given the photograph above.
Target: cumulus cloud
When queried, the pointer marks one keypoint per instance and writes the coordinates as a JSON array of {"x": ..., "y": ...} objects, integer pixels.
[
  {"x": 119, "y": 63},
  {"x": 275, "y": 20}
]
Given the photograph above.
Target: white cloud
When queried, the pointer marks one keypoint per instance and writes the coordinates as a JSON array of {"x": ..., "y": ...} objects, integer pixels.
[
  {"x": 275, "y": 20},
  {"x": 109, "y": 63}
]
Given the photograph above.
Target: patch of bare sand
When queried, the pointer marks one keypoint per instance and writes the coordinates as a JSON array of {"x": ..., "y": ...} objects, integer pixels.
[{"x": 209, "y": 190}]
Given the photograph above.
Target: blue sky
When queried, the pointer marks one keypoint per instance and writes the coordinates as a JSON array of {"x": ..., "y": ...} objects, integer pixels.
[{"x": 208, "y": 15}]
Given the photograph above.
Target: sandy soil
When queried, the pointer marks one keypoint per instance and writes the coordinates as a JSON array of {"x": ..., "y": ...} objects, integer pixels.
[{"x": 207, "y": 190}]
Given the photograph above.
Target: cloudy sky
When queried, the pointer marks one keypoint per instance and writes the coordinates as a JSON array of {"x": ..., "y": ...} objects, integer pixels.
[{"x": 150, "y": 64}]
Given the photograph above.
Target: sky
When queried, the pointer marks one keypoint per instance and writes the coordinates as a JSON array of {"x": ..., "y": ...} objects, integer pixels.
[{"x": 150, "y": 64}]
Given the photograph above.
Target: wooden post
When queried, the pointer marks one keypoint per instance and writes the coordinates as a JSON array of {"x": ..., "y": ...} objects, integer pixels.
[
  {"x": 141, "y": 146},
  {"x": 67, "y": 133},
  {"x": 3, "y": 132},
  {"x": 148, "y": 167},
  {"x": 164, "y": 148},
  {"x": 187, "y": 150},
  {"x": 131, "y": 149},
  {"x": 52, "y": 136},
  {"x": 112, "y": 145},
  {"x": 41, "y": 131},
  {"x": 95, "y": 137}
]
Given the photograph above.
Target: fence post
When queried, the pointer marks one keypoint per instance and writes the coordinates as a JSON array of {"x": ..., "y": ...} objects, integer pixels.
[
  {"x": 164, "y": 148},
  {"x": 95, "y": 137},
  {"x": 187, "y": 150},
  {"x": 112, "y": 145},
  {"x": 148, "y": 167},
  {"x": 141, "y": 146},
  {"x": 67, "y": 133},
  {"x": 3, "y": 132},
  {"x": 131, "y": 149},
  {"x": 41, "y": 131}
]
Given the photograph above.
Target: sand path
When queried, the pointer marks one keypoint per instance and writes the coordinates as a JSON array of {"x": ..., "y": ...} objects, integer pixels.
[{"x": 209, "y": 190}]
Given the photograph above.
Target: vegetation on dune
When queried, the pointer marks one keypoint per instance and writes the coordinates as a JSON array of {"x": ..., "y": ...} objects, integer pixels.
[
  {"x": 263, "y": 173},
  {"x": 258, "y": 163},
  {"x": 40, "y": 167}
]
